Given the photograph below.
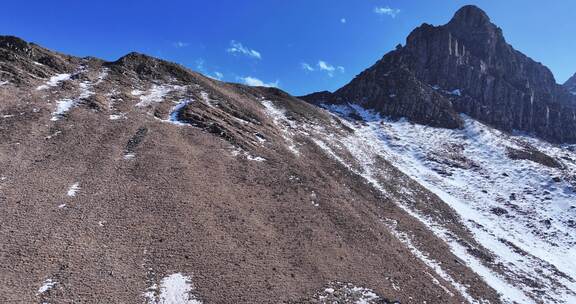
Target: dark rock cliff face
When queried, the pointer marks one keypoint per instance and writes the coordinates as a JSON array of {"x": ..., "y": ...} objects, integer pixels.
[
  {"x": 570, "y": 85},
  {"x": 465, "y": 66}
]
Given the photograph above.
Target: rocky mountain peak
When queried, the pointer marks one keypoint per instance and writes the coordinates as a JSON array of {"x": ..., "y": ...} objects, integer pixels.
[
  {"x": 470, "y": 16},
  {"x": 464, "y": 66}
]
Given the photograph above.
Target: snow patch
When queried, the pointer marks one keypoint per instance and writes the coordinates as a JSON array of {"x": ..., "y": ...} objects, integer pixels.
[
  {"x": 156, "y": 94},
  {"x": 456, "y": 92},
  {"x": 117, "y": 116},
  {"x": 63, "y": 106},
  {"x": 73, "y": 189},
  {"x": 46, "y": 285},
  {"x": 173, "y": 289},
  {"x": 238, "y": 152},
  {"x": 54, "y": 81}
]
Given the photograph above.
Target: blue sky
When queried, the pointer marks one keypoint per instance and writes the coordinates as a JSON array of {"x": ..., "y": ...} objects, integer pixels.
[{"x": 301, "y": 46}]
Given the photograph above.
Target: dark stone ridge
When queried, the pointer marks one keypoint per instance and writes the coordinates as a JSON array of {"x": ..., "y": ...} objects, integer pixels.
[{"x": 464, "y": 66}]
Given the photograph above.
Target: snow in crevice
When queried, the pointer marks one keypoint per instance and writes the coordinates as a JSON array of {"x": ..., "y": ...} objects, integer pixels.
[
  {"x": 175, "y": 113},
  {"x": 4, "y": 83},
  {"x": 286, "y": 126},
  {"x": 54, "y": 81},
  {"x": 484, "y": 179},
  {"x": 173, "y": 289}
]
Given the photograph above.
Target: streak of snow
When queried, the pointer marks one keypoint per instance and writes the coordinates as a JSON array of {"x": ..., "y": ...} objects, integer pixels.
[
  {"x": 3, "y": 83},
  {"x": 434, "y": 265},
  {"x": 54, "y": 81},
  {"x": 73, "y": 189},
  {"x": 173, "y": 289},
  {"x": 286, "y": 126},
  {"x": 206, "y": 98}
]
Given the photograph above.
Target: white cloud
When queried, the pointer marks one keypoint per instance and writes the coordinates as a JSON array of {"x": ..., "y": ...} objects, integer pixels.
[
  {"x": 255, "y": 82},
  {"x": 392, "y": 12},
  {"x": 180, "y": 44},
  {"x": 307, "y": 67},
  {"x": 323, "y": 66},
  {"x": 343, "y": 20},
  {"x": 237, "y": 48}
]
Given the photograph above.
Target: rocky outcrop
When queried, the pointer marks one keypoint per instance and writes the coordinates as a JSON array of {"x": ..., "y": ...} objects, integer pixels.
[
  {"x": 465, "y": 66},
  {"x": 150, "y": 68},
  {"x": 570, "y": 85},
  {"x": 21, "y": 62}
]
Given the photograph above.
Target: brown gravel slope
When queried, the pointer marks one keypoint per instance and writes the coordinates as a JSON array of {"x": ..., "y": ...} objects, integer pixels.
[{"x": 221, "y": 198}]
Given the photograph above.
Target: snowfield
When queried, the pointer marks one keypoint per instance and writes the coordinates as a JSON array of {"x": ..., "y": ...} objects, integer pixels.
[{"x": 521, "y": 210}]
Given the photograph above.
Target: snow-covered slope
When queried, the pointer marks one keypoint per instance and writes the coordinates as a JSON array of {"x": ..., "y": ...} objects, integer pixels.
[{"x": 515, "y": 194}]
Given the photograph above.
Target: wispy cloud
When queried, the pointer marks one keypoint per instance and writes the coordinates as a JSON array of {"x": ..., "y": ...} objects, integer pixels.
[
  {"x": 328, "y": 68},
  {"x": 307, "y": 67},
  {"x": 200, "y": 64},
  {"x": 201, "y": 67},
  {"x": 322, "y": 66},
  {"x": 218, "y": 75},
  {"x": 237, "y": 48},
  {"x": 343, "y": 20},
  {"x": 180, "y": 44},
  {"x": 386, "y": 10},
  {"x": 255, "y": 82}
]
